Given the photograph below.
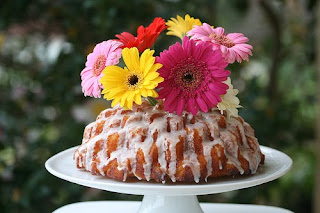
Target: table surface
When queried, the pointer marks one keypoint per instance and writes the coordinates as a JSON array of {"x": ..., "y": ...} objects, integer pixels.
[{"x": 133, "y": 206}]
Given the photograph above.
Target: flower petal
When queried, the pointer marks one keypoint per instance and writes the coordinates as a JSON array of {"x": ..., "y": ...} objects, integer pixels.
[
  {"x": 180, "y": 106},
  {"x": 131, "y": 58},
  {"x": 146, "y": 60},
  {"x": 202, "y": 104}
]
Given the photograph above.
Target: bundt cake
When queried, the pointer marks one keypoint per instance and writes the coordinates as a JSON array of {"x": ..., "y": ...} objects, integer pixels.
[{"x": 152, "y": 144}]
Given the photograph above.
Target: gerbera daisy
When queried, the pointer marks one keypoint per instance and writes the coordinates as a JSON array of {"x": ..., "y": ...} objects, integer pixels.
[
  {"x": 179, "y": 27},
  {"x": 233, "y": 45},
  {"x": 230, "y": 101},
  {"x": 193, "y": 77},
  {"x": 104, "y": 54},
  {"x": 138, "y": 78},
  {"x": 145, "y": 36}
]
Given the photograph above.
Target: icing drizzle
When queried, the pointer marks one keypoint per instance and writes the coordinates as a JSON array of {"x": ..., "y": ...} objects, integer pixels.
[{"x": 140, "y": 129}]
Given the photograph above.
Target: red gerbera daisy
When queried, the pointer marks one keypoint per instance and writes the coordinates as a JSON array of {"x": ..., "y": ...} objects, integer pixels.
[{"x": 146, "y": 36}]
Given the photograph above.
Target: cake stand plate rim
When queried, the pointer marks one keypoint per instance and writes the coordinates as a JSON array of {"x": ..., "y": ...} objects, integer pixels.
[{"x": 63, "y": 166}]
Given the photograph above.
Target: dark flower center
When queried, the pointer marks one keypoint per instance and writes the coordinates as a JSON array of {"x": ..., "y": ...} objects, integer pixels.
[
  {"x": 133, "y": 80},
  {"x": 189, "y": 76},
  {"x": 99, "y": 65}
]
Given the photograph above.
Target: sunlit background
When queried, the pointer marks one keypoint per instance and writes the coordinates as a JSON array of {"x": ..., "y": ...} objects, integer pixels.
[{"x": 43, "y": 48}]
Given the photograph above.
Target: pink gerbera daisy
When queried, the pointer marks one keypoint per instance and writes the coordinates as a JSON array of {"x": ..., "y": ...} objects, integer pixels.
[
  {"x": 104, "y": 54},
  {"x": 193, "y": 77},
  {"x": 233, "y": 45}
]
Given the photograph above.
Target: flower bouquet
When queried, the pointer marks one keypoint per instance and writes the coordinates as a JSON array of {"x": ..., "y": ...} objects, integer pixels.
[{"x": 189, "y": 76}]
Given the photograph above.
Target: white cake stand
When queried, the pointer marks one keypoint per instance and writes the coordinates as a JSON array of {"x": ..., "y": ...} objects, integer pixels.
[{"x": 169, "y": 198}]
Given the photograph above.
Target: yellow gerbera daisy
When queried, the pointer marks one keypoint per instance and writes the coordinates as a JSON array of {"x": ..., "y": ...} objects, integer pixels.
[
  {"x": 139, "y": 78},
  {"x": 179, "y": 27}
]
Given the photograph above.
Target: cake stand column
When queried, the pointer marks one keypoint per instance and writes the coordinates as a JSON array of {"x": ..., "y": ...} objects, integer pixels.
[{"x": 170, "y": 204}]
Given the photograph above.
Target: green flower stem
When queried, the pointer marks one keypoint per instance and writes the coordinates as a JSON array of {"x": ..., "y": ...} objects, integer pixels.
[{"x": 152, "y": 101}]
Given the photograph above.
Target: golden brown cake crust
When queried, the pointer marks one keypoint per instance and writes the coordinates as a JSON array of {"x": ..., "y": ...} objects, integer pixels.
[{"x": 151, "y": 144}]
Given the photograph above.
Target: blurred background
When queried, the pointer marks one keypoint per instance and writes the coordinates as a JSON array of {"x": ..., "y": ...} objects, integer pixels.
[{"x": 43, "y": 48}]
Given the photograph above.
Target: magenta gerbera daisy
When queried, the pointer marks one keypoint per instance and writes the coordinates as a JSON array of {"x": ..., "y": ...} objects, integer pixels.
[
  {"x": 193, "y": 77},
  {"x": 104, "y": 54},
  {"x": 233, "y": 45}
]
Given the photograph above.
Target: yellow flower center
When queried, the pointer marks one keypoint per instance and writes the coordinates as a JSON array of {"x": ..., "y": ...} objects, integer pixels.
[
  {"x": 133, "y": 81},
  {"x": 222, "y": 39}
]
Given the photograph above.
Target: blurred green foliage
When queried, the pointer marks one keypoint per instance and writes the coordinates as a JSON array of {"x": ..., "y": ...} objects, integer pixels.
[{"x": 43, "y": 48}]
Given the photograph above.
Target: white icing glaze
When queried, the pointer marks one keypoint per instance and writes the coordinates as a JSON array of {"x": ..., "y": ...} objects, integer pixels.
[{"x": 138, "y": 134}]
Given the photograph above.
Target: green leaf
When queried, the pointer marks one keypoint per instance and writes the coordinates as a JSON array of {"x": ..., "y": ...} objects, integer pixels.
[{"x": 152, "y": 101}]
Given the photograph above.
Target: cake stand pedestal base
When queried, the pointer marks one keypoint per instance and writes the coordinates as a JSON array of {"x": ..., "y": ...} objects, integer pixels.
[
  {"x": 133, "y": 206},
  {"x": 170, "y": 204}
]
